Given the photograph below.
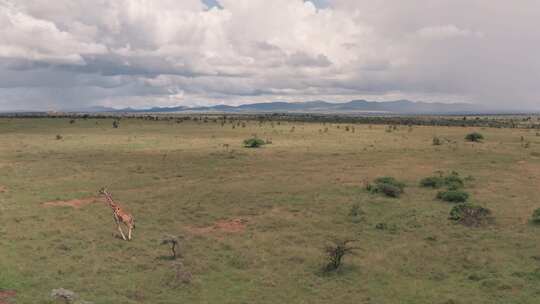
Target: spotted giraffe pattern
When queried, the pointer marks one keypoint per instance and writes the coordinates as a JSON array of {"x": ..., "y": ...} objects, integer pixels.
[{"x": 120, "y": 216}]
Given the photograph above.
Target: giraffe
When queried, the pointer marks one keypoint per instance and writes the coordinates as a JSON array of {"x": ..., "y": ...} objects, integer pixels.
[{"x": 120, "y": 216}]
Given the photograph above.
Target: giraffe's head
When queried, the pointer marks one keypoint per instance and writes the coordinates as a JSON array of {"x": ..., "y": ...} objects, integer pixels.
[{"x": 102, "y": 191}]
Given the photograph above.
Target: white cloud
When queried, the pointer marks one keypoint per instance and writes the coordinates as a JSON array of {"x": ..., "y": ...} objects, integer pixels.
[
  {"x": 163, "y": 52},
  {"x": 446, "y": 31},
  {"x": 25, "y": 37}
]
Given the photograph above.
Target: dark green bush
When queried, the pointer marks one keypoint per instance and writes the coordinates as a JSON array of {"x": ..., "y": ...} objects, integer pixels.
[
  {"x": 470, "y": 215},
  {"x": 536, "y": 216},
  {"x": 474, "y": 137},
  {"x": 254, "y": 142},
  {"x": 453, "y": 196}
]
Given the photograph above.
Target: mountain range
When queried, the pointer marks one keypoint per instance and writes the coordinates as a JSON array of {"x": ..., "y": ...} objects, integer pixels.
[{"x": 351, "y": 107}]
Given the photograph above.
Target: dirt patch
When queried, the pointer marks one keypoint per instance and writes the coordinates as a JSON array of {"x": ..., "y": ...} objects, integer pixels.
[
  {"x": 5, "y": 295},
  {"x": 224, "y": 226},
  {"x": 76, "y": 203},
  {"x": 3, "y": 189}
]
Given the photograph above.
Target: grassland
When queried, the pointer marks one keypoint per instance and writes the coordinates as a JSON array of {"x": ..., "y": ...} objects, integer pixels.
[{"x": 293, "y": 196}]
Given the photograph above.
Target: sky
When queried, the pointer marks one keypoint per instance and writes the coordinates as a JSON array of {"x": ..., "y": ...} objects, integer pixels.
[{"x": 73, "y": 54}]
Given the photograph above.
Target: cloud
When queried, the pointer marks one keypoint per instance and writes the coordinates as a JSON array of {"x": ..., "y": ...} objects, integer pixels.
[
  {"x": 23, "y": 37},
  {"x": 76, "y": 53},
  {"x": 446, "y": 31}
]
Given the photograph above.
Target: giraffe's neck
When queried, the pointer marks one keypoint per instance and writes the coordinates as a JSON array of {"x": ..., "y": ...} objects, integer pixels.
[{"x": 111, "y": 202}]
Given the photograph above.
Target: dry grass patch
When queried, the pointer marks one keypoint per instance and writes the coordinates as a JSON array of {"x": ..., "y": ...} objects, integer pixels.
[
  {"x": 74, "y": 203},
  {"x": 223, "y": 226}
]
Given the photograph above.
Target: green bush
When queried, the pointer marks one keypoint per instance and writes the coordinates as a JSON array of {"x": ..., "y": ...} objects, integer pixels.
[
  {"x": 388, "y": 186},
  {"x": 452, "y": 181},
  {"x": 453, "y": 196},
  {"x": 437, "y": 141},
  {"x": 470, "y": 215},
  {"x": 474, "y": 137},
  {"x": 254, "y": 142},
  {"x": 536, "y": 216}
]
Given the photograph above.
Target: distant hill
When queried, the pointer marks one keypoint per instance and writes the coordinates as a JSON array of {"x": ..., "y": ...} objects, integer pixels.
[{"x": 352, "y": 107}]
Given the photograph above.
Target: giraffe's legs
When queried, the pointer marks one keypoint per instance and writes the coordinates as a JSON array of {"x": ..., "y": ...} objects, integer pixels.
[
  {"x": 129, "y": 233},
  {"x": 121, "y": 232}
]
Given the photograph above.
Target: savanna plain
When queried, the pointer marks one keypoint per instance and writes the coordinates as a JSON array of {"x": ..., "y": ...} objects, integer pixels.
[{"x": 252, "y": 224}]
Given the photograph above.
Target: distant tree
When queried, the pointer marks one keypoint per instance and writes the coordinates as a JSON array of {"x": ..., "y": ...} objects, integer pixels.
[{"x": 474, "y": 137}]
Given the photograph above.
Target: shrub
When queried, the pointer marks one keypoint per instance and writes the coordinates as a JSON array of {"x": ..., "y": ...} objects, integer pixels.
[
  {"x": 389, "y": 190},
  {"x": 390, "y": 181},
  {"x": 452, "y": 181},
  {"x": 536, "y": 216},
  {"x": 389, "y": 186},
  {"x": 355, "y": 210},
  {"x": 474, "y": 137},
  {"x": 59, "y": 137},
  {"x": 335, "y": 254},
  {"x": 470, "y": 215},
  {"x": 432, "y": 182},
  {"x": 254, "y": 142},
  {"x": 437, "y": 141},
  {"x": 453, "y": 196},
  {"x": 116, "y": 124}
]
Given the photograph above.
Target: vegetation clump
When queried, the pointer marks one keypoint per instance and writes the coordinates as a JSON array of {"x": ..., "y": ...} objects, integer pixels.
[
  {"x": 536, "y": 217},
  {"x": 388, "y": 186},
  {"x": 470, "y": 215},
  {"x": 432, "y": 182},
  {"x": 437, "y": 141},
  {"x": 335, "y": 254},
  {"x": 452, "y": 181},
  {"x": 254, "y": 142},
  {"x": 356, "y": 214},
  {"x": 453, "y": 196},
  {"x": 474, "y": 137}
]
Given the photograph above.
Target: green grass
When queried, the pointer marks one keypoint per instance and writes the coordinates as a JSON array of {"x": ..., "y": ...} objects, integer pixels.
[{"x": 296, "y": 195}]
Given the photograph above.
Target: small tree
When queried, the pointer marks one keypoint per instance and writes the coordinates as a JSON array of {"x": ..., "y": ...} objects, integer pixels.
[
  {"x": 336, "y": 252},
  {"x": 172, "y": 241}
]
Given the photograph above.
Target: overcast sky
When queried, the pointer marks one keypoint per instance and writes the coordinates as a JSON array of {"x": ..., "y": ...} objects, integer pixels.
[{"x": 140, "y": 53}]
